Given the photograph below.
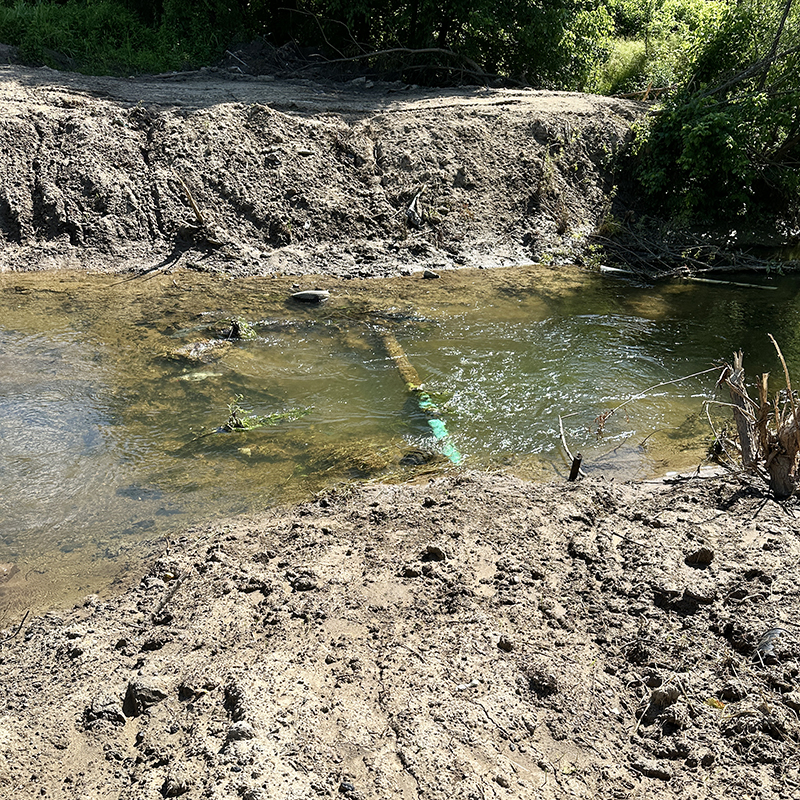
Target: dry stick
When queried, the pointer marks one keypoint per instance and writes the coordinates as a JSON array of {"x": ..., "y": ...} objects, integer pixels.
[
  {"x": 322, "y": 32},
  {"x": 741, "y": 399},
  {"x": 18, "y": 628},
  {"x": 789, "y": 390},
  {"x": 473, "y": 67},
  {"x": 233, "y": 55},
  {"x": 564, "y": 442},
  {"x": 169, "y": 595},
  {"x": 785, "y": 374},
  {"x": 640, "y": 395},
  {"x": 196, "y": 210},
  {"x": 731, "y": 283},
  {"x": 717, "y": 437}
]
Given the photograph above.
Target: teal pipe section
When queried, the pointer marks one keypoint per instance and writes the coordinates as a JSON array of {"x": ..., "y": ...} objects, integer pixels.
[
  {"x": 437, "y": 425},
  {"x": 424, "y": 400}
]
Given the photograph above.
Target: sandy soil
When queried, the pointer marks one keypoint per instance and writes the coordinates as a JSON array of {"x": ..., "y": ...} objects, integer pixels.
[{"x": 471, "y": 636}]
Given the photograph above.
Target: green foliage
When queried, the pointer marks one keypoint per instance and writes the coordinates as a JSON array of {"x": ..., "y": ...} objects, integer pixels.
[
  {"x": 118, "y": 36},
  {"x": 625, "y": 69},
  {"x": 655, "y": 42},
  {"x": 728, "y": 143},
  {"x": 554, "y": 44}
]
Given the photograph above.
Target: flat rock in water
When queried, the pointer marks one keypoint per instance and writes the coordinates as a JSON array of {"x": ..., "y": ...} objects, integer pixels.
[{"x": 311, "y": 296}]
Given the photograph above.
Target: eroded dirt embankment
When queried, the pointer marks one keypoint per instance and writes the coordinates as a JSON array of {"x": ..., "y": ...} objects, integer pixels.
[{"x": 257, "y": 176}]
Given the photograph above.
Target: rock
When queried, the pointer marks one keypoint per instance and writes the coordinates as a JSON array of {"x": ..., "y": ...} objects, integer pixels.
[
  {"x": 652, "y": 769},
  {"x": 304, "y": 580},
  {"x": 701, "y": 557},
  {"x": 411, "y": 571},
  {"x": 664, "y": 695},
  {"x": 239, "y": 731},
  {"x": 429, "y": 274},
  {"x": 177, "y": 782},
  {"x": 104, "y": 707},
  {"x": 141, "y": 694},
  {"x": 311, "y": 296},
  {"x": 203, "y": 350},
  {"x": 792, "y": 699},
  {"x": 542, "y": 681},
  {"x": 697, "y": 594},
  {"x": 434, "y": 553},
  {"x": 505, "y": 644},
  {"x": 236, "y": 703},
  {"x": 501, "y": 780},
  {"x": 9, "y": 54}
]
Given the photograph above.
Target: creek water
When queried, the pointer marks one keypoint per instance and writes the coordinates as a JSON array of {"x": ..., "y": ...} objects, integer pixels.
[{"x": 113, "y": 404}]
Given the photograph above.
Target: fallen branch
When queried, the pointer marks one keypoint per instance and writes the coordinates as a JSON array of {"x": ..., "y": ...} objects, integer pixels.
[
  {"x": 572, "y": 458},
  {"x": 602, "y": 418},
  {"x": 17, "y": 629},
  {"x": 656, "y": 255}
]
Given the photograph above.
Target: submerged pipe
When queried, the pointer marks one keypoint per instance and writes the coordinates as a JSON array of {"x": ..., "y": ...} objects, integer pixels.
[{"x": 424, "y": 400}]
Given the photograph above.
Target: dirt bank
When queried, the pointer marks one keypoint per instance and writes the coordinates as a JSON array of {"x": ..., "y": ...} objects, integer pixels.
[
  {"x": 473, "y": 637},
  {"x": 254, "y": 175}
]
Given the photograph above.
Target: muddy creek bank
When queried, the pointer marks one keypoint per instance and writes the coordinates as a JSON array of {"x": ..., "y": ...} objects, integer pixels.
[
  {"x": 475, "y": 636},
  {"x": 258, "y": 176}
]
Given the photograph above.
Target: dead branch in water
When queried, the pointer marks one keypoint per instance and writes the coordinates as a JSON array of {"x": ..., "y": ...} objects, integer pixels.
[
  {"x": 768, "y": 429},
  {"x": 655, "y": 255},
  {"x": 603, "y": 418}
]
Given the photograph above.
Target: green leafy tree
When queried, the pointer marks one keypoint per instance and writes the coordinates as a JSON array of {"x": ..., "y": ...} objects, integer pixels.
[{"x": 727, "y": 145}]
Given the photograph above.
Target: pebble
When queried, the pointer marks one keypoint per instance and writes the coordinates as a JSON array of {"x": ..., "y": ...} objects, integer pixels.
[
  {"x": 664, "y": 695},
  {"x": 141, "y": 694},
  {"x": 105, "y": 706},
  {"x": 505, "y": 644},
  {"x": 792, "y": 699},
  {"x": 652, "y": 769},
  {"x": 435, "y": 553},
  {"x": 177, "y": 782}
]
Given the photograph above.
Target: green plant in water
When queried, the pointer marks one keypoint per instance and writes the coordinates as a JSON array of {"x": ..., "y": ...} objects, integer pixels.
[{"x": 241, "y": 420}]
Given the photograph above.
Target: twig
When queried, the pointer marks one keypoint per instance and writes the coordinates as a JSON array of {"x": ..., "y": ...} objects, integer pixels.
[
  {"x": 322, "y": 32},
  {"x": 717, "y": 437},
  {"x": 18, "y": 628},
  {"x": 566, "y": 447},
  {"x": 640, "y": 395},
  {"x": 233, "y": 55},
  {"x": 795, "y": 419},
  {"x": 194, "y": 206},
  {"x": 168, "y": 596}
]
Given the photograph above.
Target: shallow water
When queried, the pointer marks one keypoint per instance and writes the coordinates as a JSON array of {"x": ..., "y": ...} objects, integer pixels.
[{"x": 110, "y": 441}]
